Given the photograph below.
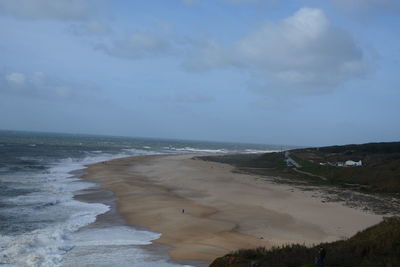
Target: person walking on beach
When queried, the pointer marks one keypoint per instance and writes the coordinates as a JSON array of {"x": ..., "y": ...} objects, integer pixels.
[
  {"x": 321, "y": 257},
  {"x": 183, "y": 210}
]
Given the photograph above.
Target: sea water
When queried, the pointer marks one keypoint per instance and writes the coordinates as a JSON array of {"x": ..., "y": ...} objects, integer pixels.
[{"x": 42, "y": 224}]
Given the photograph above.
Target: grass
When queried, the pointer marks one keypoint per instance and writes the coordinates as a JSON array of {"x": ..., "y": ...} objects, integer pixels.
[
  {"x": 271, "y": 164},
  {"x": 380, "y": 172}
]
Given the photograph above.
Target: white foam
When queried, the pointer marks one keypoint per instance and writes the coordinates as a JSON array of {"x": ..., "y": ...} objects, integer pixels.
[
  {"x": 119, "y": 256},
  {"x": 140, "y": 152},
  {"x": 46, "y": 246},
  {"x": 198, "y": 150},
  {"x": 114, "y": 246},
  {"x": 52, "y": 203},
  {"x": 114, "y": 236},
  {"x": 61, "y": 216}
]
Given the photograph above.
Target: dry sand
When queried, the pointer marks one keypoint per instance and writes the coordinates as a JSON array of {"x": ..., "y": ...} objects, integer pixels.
[{"x": 224, "y": 211}]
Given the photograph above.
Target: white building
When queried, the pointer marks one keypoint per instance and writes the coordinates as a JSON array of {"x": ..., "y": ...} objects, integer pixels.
[{"x": 353, "y": 163}]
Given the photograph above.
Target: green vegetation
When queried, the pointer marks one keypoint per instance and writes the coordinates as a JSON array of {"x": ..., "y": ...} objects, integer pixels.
[
  {"x": 267, "y": 160},
  {"x": 370, "y": 148},
  {"x": 376, "y": 246},
  {"x": 380, "y": 170},
  {"x": 269, "y": 164}
]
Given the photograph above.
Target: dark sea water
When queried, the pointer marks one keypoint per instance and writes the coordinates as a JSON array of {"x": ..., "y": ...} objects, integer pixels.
[{"x": 40, "y": 220}]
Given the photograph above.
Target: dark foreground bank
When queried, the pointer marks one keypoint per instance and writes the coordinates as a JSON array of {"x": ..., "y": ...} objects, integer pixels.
[{"x": 376, "y": 246}]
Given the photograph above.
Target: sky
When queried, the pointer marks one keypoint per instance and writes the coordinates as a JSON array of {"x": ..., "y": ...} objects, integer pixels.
[{"x": 300, "y": 72}]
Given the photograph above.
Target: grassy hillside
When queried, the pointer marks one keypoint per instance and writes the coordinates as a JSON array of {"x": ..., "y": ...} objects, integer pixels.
[
  {"x": 380, "y": 171},
  {"x": 374, "y": 247},
  {"x": 370, "y": 148},
  {"x": 266, "y": 164}
]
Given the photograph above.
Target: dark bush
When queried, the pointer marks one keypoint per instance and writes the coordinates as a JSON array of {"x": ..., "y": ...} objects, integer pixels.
[{"x": 376, "y": 246}]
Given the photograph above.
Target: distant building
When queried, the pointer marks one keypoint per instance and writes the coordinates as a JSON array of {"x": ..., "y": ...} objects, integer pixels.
[
  {"x": 353, "y": 163},
  {"x": 349, "y": 163}
]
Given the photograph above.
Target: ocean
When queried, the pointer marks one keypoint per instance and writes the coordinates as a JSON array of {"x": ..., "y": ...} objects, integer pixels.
[{"x": 43, "y": 222}]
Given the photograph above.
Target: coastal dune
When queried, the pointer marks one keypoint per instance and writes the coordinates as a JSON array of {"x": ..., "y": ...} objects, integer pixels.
[{"x": 203, "y": 210}]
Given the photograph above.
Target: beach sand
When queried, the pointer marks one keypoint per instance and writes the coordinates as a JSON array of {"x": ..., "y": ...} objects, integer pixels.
[{"x": 223, "y": 211}]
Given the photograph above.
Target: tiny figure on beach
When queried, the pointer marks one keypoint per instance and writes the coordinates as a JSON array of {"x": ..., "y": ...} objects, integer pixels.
[
  {"x": 183, "y": 210},
  {"x": 254, "y": 263},
  {"x": 321, "y": 257}
]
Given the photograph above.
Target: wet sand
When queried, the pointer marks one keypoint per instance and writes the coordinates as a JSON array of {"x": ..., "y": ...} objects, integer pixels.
[{"x": 223, "y": 211}]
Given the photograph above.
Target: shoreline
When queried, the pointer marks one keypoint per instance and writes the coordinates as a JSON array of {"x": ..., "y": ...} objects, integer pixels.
[
  {"x": 112, "y": 218},
  {"x": 224, "y": 211}
]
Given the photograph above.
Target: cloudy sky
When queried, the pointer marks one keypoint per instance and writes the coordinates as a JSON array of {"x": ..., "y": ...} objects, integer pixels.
[{"x": 260, "y": 71}]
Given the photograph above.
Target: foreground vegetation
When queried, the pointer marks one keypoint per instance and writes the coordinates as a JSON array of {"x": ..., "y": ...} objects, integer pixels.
[{"x": 376, "y": 246}]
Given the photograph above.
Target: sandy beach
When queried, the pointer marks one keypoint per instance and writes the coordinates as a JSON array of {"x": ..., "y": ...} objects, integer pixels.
[{"x": 223, "y": 211}]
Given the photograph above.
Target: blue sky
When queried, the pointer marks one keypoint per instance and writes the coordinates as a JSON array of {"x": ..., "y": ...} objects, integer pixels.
[{"x": 259, "y": 71}]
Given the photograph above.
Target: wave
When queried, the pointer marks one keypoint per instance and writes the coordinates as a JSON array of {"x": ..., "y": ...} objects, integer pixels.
[
  {"x": 49, "y": 212},
  {"x": 196, "y": 150},
  {"x": 114, "y": 236},
  {"x": 140, "y": 152},
  {"x": 172, "y": 149},
  {"x": 46, "y": 246},
  {"x": 49, "y": 208},
  {"x": 115, "y": 246}
]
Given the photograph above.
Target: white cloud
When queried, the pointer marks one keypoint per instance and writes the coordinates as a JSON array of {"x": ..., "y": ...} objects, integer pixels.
[
  {"x": 138, "y": 45},
  {"x": 46, "y": 9},
  {"x": 38, "y": 84},
  {"x": 302, "y": 52},
  {"x": 15, "y": 79}
]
